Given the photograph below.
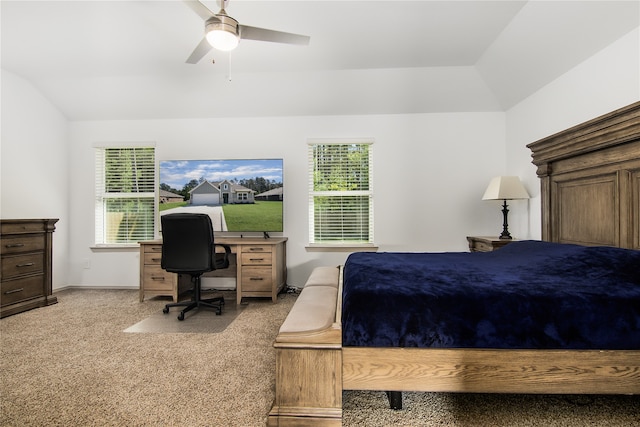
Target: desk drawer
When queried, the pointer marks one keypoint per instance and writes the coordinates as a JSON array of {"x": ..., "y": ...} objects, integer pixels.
[
  {"x": 19, "y": 265},
  {"x": 14, "y": 291},
  {"x": 19, "y": 244},
  {"x": 256, "y": 258},
  {"x": 256, "y": 279},
  {"x": 152, "y": 258},
  {"x": 153, "y": 249},
  {"x": 157, "y": 279}
]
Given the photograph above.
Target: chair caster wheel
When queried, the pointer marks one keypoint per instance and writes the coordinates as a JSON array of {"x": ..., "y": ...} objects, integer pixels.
[
  {"x": 181, "y": 316},
  {"x": 165, "y": 310}
]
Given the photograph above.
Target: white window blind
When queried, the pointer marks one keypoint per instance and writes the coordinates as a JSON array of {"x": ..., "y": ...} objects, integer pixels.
[
  {"x": 340, "y": 192},
  {"x": 125, "y": 194}
]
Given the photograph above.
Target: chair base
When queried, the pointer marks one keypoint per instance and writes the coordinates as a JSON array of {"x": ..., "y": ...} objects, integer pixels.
[
  {"x": 190, "y": 305},
  {"x": 196, "y": 301}
]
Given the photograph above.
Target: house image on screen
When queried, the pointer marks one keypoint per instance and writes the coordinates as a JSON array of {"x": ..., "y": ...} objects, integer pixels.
[
  {"x": 271, "y": 195},
  {"x": 220, "y": 193},
  {"x": 169, "y": 197}
]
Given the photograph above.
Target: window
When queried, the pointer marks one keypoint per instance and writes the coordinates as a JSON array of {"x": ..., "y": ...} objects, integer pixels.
[
  {"x": 125, "y": 194},
  {"x": 340, "y": 192}
]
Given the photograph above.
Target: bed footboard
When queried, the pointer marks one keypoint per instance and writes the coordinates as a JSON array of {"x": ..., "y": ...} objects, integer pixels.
[{"x": 309, "y": 358}]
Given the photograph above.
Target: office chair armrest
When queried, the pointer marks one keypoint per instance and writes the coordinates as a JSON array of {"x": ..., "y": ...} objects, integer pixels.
[{"x": 224, "y": 262}]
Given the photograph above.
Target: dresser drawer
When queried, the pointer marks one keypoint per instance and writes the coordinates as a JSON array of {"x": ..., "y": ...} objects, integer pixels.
[
  {"x": 18, "y": 227},
  {"x": 19, "y": 244},
  {"x": 18, "y": 265},
  {"x": 14, "y": 291},
  {"x": 256, "y": 258},
  {"x": 157, "y": 279},
  {"x": 256, "y": 279}
]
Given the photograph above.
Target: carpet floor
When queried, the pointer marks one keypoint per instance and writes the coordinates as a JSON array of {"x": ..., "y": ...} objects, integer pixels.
[{"x": 72, "y": 364}]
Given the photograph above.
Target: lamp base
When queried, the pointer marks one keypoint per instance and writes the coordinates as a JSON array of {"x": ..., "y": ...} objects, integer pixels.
[{"x": 505, "y": 226}]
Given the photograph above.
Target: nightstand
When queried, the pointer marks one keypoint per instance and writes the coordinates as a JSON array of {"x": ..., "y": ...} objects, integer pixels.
[{"x": 486, "y": 243}]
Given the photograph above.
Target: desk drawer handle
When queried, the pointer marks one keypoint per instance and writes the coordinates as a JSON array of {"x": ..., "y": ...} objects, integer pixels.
[
  {"x": 14, "y": 291},
  {"x": 156, "y": 249},
  {"x": 156, "y": 259},
  {"x": 256, "y": 249},
  {"x": 256, "y": 259},
  {"x": 256, "y": 278},
  {"x": 14, "y": 245},
  {"x": 26, "y": 264},
  {"x": 157, "y": 277}
]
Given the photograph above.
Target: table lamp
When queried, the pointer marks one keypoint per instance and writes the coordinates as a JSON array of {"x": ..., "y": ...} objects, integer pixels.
[{"x": 505, "y": 188}]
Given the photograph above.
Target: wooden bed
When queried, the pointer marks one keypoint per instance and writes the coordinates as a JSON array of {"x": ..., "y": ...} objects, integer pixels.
[{"x": 590, "y": 192}]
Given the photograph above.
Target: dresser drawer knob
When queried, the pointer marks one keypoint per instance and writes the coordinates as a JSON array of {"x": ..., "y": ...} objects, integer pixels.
[
  {"x": 14, "y": 245},
  {"x": 26, "y": 264},
  {"x": 13, "y": 291}
]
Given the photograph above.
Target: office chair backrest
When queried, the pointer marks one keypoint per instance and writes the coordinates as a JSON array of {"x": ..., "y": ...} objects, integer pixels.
[{"x": 187, "y": 243}]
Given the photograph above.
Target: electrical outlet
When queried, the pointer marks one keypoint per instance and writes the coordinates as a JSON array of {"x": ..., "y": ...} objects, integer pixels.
[{"x": 87, "y": 264}]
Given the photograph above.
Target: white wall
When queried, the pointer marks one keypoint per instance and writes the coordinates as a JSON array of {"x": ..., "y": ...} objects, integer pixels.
[
  {"x": 430, "y": 169},
  {"x": 603, "y": 83},
  {"x": 430, "y": 173},
  {"x": 34, "y": 163}
]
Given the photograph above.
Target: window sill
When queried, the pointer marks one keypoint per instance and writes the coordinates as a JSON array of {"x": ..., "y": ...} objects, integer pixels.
[
  {"x": 105, "y": 248},
  {"x": 341, "y": 247}
]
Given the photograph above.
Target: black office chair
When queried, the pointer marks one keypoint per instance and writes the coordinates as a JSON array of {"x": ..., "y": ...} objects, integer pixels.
[{"x": 188, "y": 248}]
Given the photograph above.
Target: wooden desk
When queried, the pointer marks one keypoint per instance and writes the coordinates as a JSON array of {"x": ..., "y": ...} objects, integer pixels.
[{"x": 261, "y": 269}]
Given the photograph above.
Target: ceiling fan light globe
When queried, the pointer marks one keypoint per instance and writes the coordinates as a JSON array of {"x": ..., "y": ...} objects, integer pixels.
[
  {"x": 222, "y": 33},
  {"x": 222, "y": 40}
]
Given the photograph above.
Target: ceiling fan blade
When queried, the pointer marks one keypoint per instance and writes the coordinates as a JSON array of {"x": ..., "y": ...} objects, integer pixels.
[
  {"x": 199, "y": 52},
  {"x": 201, "y": 10},
  {"x": 253, "y": 33}
]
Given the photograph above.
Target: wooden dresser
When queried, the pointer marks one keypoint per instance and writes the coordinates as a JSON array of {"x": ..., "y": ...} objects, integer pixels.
[
  {"x": 260, "y": 269},
  {"x": 26, "y": 252}
]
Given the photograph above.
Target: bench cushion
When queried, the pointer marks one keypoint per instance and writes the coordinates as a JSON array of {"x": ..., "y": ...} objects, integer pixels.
[
  {"x": 314, "y": 310},
  {"x": 323, "y": 276}
]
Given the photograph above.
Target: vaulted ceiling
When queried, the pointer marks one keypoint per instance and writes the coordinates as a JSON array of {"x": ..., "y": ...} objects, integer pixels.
[{"x": 98, "y": 60}]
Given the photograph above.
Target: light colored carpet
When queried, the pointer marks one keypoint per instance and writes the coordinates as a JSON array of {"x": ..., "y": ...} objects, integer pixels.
[{"x": 71, "y": 364}]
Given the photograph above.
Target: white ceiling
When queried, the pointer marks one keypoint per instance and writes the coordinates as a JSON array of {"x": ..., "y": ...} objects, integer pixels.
[{"x": 114, "y": 59}]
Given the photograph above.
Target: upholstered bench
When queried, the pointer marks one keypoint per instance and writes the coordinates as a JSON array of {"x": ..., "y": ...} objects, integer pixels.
[
  {"x": 308, "y": 353},
  {"x": 315, "y": 308}
]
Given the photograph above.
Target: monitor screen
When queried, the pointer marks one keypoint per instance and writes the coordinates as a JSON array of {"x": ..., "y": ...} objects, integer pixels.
[{"x": 240, "y": 195}]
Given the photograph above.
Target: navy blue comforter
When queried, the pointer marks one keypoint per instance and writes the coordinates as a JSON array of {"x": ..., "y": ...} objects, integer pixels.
[{"x": 527, "y": 295}]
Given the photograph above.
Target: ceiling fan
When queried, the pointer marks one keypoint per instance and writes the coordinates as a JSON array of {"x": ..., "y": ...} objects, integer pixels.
[{"x": 223, "y": 32}]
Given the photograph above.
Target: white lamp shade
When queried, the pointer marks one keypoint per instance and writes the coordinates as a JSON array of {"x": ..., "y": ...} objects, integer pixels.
[{"x": 505, "y": 188}]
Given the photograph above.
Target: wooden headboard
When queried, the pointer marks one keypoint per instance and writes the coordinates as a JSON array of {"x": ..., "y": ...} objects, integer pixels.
[{"x": 590, "y": 181}]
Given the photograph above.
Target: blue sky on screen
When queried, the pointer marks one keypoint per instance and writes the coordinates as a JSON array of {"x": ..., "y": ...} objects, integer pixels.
[{"x": 177, "y": 173}]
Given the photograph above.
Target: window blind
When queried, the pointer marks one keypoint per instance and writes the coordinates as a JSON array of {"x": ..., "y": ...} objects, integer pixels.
[
  {"x": 125, "y": 195},
  {"x": 340, "y": 192}
]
